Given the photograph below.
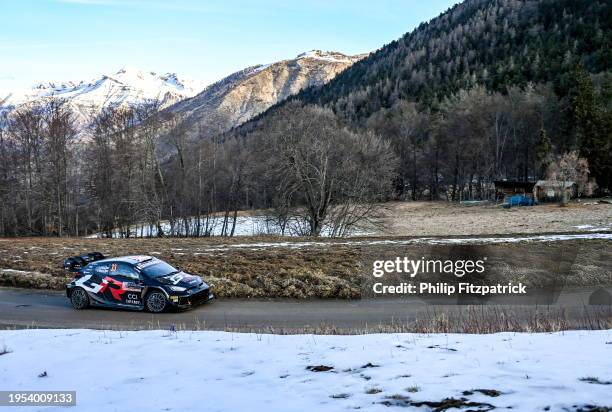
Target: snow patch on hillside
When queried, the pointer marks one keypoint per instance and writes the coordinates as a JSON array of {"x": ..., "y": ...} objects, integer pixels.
[
  {"x": 219, "y": 371},
  {"x": 328, "y": 56},
  {"x": 129, "y": 86}
]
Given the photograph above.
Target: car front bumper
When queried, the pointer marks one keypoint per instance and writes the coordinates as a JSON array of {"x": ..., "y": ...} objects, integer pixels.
[{"x": 190, "y": 300}]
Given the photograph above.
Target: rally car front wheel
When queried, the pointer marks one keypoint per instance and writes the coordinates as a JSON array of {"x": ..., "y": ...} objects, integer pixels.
[
  {"x": 79, "y": 298},
  {"x": 156, "y": 302}
]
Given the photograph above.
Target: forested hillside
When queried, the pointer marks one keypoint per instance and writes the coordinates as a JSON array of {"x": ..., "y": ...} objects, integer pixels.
[
  {"x": 494, "y": 43},
  {"x": 490, "y": 89}
]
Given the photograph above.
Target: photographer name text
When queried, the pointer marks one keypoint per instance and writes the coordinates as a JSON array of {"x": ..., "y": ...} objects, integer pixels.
[{"x": 448, "y": 289}]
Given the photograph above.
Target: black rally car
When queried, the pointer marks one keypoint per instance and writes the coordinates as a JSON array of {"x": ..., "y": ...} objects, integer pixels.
[{"x": 132, "y": 282}]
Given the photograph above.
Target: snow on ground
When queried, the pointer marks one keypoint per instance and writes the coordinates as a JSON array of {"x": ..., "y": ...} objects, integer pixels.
[
  {"x": 419, "y": 240},
  {"x": 263, "y": 225},
  {"x": 592, "y": 228},
  {"x": 220, "y": 371},
  {"x": 245, "y": 226}
]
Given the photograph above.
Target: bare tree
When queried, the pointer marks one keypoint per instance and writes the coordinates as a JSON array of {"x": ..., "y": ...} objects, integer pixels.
[
  {"x": 60, "y": 133},
  {"x": 334, "y": 173},
  {"x": 570, "y": 167}
]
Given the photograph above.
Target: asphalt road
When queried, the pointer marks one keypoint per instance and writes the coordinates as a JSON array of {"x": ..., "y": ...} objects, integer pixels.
[{"x": 47, "y": 309}]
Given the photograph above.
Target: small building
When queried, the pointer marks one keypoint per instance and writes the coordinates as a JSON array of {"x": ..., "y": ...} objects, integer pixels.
[
  {"x": 553, "y": 190},
  {"x": 505, "y": 189}
]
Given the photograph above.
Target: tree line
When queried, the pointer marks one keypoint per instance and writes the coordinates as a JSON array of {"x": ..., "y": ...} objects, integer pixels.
[
  {"x": 477, "y": 137},
  {"x": 140, "y": 172}
]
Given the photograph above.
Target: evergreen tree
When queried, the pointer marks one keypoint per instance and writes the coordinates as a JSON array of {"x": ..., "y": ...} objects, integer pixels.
[
  {"x": 592, "y": 132},
  {"x": 543, "y": 152}
]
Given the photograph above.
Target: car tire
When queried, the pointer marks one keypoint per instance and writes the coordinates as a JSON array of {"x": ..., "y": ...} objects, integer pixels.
[
  {"x": 156, "y": 301},
  {"x": 79, "y": 299}
]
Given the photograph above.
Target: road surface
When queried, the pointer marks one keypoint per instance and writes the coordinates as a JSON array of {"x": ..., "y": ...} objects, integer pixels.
[{"x": 21, "y": 308}]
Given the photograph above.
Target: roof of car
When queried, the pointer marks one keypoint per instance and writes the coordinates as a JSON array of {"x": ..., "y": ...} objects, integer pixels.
[{"x": 133, "y": 260}]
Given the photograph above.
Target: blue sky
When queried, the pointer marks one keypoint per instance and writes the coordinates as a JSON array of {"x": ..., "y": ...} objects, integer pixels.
[{"x": 59, "y": 40}]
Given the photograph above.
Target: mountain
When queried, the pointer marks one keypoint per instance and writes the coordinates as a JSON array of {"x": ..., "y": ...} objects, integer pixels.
[
  {"x": 244, "y": 94},
  {"x": 494, "y": 43},
  {"x": 128, "y": 86}
]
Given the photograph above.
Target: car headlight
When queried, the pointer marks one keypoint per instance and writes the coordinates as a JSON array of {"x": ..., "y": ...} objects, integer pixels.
[{"x": 177, "y": 288}]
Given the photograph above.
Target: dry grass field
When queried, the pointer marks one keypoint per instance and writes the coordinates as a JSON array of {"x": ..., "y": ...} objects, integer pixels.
[{"x": 451, "y": 219}]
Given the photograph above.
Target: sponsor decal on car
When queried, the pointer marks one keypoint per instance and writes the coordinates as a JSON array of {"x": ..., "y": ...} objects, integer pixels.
[
  {"x": 102, "y": 269},
  {"x": 132, "y": 287},
  {"x": 143, "y": 265},
  {"x": 116, "y": 288},
  {"x": 117, "y": 291},
  {"x": 182, "y": 277},
  {"x": 175, "y": 279},
  {"x": 133, "y": 299},
  {"x": 86, "y": 283}
]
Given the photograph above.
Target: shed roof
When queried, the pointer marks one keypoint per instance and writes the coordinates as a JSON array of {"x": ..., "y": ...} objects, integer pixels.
[
  {"x": 555, "y": 183},
  {"x": 513, "y": 184}
]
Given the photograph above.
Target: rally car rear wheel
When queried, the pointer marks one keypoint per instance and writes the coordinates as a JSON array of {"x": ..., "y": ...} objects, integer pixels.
[
  {"x": 156, "y": 302},
  {"x": 79, "y": 298}
]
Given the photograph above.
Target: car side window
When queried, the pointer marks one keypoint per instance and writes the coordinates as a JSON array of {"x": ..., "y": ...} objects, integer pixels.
[{"x": 124, "y": 269}]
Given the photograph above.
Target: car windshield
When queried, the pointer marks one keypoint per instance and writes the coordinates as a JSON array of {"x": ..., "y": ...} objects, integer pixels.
[{"x": 159, "y": 269}]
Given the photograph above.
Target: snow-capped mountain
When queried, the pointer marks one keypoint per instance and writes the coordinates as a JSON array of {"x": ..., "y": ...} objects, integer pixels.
[
  {"x": 244, "y": 94},
  {"x": 216, "y": 108},
  {"x": 128, "y": 86}
]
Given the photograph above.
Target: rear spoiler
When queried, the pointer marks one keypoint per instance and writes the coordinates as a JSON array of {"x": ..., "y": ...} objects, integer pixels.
[{"x": 76, "y": 263}]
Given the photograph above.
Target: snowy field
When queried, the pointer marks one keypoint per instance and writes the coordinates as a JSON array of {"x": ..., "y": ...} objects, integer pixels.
[{"x": 219, "y": 371}]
